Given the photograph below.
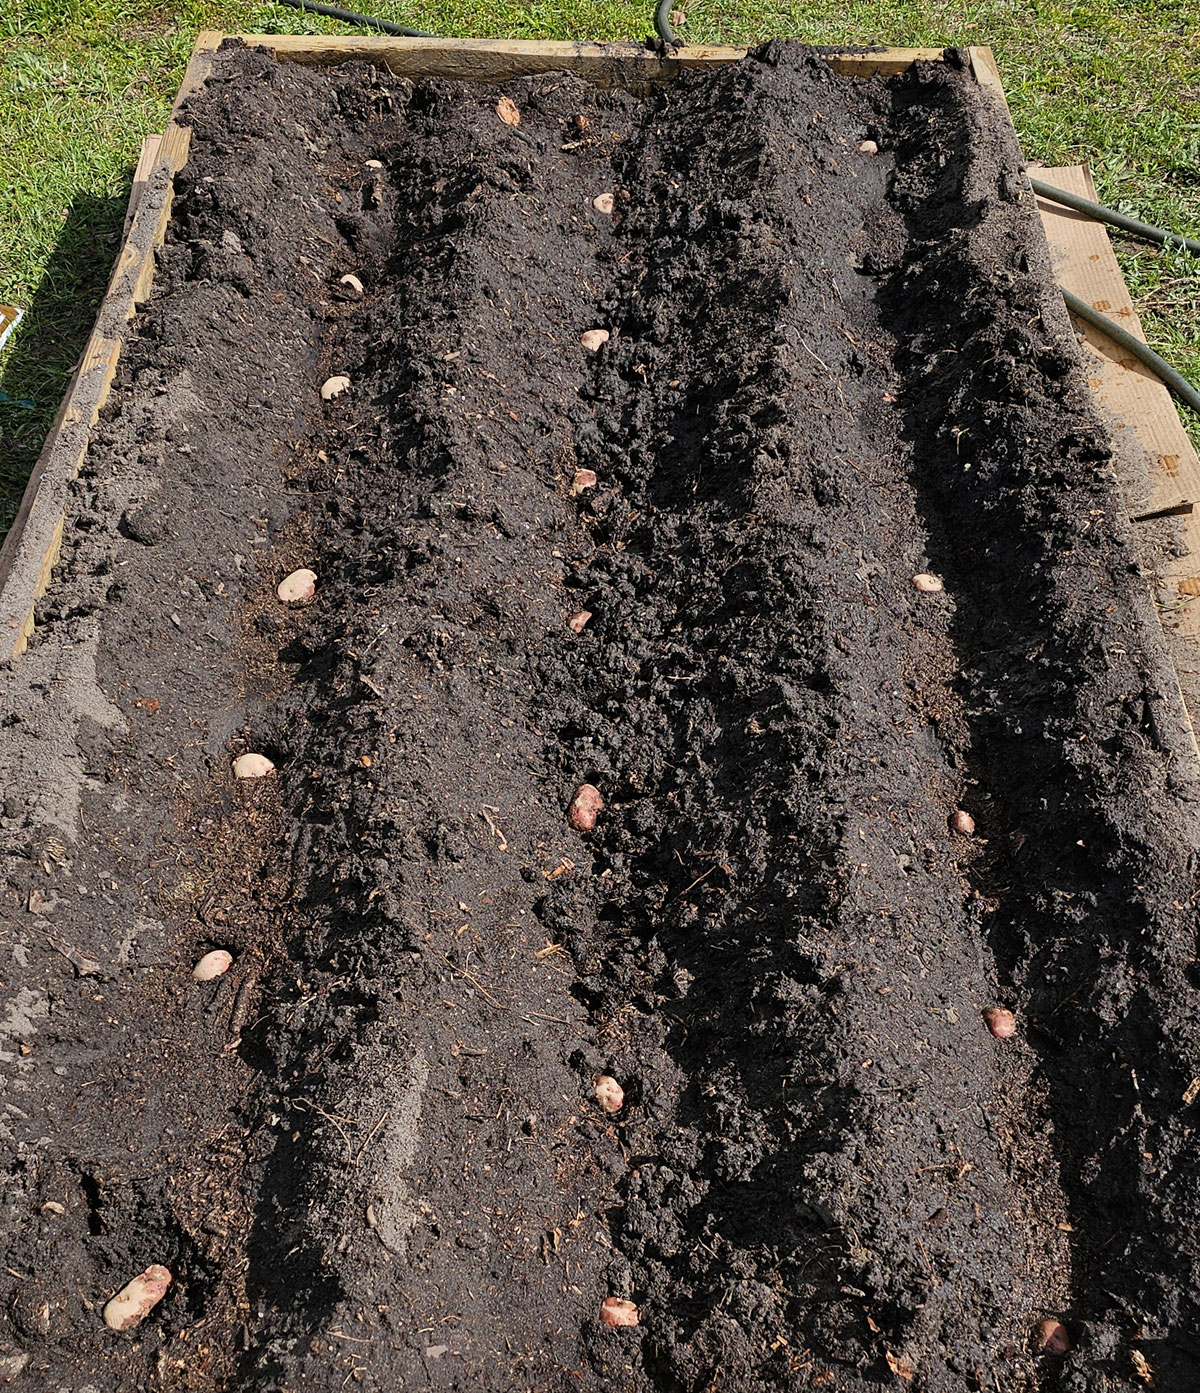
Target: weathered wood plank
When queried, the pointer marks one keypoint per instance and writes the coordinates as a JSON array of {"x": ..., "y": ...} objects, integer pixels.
[
  {"x": 199, "y": 67},
  {"x": 37, "y": 531},
  {"x": 134, "y": 271},
  {"x": 146, "y": 161},
  {"x": 985, "y": 72},
  {"x": 622, "y": 64},
  {"x": 34, "y": 541}
]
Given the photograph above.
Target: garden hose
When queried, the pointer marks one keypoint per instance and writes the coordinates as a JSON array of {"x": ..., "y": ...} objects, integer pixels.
[
  {"x": 350, "y": 17},
  {"x": 1110, "y": 215},
  {"x": 662, "y": 24},
  {"x": 1177, "y": 383},
  {"x": 1171, "y": 379}
]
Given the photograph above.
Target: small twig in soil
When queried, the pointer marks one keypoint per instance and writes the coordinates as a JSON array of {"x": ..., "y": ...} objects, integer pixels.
[
  {"x": 83, "y": 963},
  {"x": 697, "y": 881},
  {"x": 474, "y": 981},
  {"x": 370, "y": 1139},
  {"x": 241, "y": 1010},
  {"x": 1178, "y": 510},
  {"x": 814, "y": 357},
  {"x": 330, "y": 1117},
  {"x": 484, "y": 812}
]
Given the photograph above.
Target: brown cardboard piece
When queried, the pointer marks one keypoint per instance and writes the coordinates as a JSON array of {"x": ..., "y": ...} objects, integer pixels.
[
  {"x": 1127, "y": 391},
  {"x": 1133, "y": 399}
]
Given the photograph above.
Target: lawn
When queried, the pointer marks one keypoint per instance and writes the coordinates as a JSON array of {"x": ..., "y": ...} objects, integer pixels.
[{"x": 1116, "y": 82}]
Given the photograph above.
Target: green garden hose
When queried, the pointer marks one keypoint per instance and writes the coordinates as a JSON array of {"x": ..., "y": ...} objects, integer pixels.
[
  {"x": 1171, "y": 379},
  {"x": 350, "y": 17},
  {"x": 662, "y": 24},
  {"x": 1097, "y": 211},
  {"x": 1177, "y": 383}
]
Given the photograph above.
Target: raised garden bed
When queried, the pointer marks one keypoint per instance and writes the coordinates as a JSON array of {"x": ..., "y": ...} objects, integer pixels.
[{"x": 844, "y": 815}]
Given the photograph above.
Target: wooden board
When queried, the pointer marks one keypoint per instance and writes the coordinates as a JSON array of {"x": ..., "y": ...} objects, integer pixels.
[
  {"x": 146, "y": 161},
  {"x": 32, "y": 545},
  {"x": 624, "y": 64}
]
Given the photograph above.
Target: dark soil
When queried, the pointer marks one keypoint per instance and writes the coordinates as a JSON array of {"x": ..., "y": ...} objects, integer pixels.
[{"x": 371, "y": 1153}]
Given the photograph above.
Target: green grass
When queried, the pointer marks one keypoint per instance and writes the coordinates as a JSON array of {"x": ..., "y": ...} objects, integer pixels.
[{"x": 1115, "y": 82}]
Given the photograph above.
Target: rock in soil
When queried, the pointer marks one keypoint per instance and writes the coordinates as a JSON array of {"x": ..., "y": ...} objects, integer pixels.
[{"x": 370, "y": 1152}]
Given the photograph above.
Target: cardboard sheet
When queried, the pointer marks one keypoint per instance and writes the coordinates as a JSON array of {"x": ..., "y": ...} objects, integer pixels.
[
  {"x": 10, "y": 317},
  {"x": 1131, "y": 396}
]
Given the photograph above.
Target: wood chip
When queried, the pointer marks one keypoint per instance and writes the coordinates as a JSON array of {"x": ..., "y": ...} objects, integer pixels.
[{"x": 899, "y": 1366}]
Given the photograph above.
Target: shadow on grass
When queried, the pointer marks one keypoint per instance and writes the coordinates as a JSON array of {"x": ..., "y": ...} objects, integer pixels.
[{"x": 52, "y": 337}]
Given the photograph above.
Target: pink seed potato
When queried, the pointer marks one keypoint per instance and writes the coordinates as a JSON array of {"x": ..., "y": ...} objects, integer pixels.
[
  {"x": 1052, "y": 1337},
  {"x": 609, "y": 1093},
  {"x": 298, "y": 588},
  {"x": 134, "y": 1302},
  {"x": 586, "y": 807},
  {"x": 1002, "y": 1023},
  {"x": 211, "y": 965},
  {"x": 252, "y": 766},
  {"x": 616, "y": 1312}
]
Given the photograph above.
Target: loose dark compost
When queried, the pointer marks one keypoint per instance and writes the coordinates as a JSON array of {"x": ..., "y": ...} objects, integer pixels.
[{"x": 371, "y": 1154}]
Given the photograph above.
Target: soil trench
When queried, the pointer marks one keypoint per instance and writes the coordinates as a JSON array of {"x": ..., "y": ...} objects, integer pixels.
[{"x": 676, "y": 565}]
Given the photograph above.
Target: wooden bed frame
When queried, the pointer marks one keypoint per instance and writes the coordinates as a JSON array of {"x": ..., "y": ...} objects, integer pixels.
[{"x": 1126, "y": 392}]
